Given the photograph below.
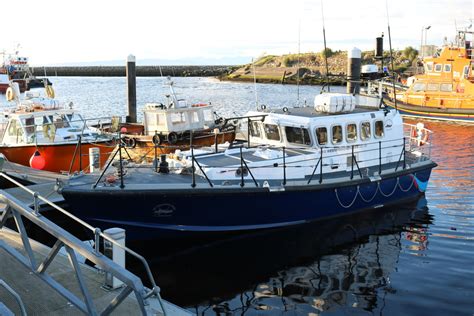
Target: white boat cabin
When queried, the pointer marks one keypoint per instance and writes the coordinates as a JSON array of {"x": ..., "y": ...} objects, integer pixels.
[
  {"x": 181, "y": 118},
  {"x": 42, "y": 121},
  {"x": 336, "y": 137},
  {"x": 313, "y": 127}
]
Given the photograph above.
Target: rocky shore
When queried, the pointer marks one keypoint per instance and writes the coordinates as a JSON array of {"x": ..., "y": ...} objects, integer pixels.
[{"x": 142, "y": 71}]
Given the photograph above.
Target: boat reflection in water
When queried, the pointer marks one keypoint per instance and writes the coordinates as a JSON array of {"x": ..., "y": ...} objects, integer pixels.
[{"x": 322, "y": 266}]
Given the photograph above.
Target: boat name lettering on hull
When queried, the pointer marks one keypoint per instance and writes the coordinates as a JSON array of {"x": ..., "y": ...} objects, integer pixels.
[{"x": 163, "y": 210}]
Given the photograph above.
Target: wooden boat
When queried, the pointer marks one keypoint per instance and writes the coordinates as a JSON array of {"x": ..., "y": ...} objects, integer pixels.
[
  {"x": 171, "y": 126},
  {"x": 446, "y": 89},
  {"x": 298, "y": 165},
  {"x": 41, "y": 133}
]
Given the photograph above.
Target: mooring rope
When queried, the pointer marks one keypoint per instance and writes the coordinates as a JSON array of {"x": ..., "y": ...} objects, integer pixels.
[{"x": 367, "y": 200}]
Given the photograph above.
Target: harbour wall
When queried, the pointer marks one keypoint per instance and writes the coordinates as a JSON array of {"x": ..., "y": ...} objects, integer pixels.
[{"x": 141, "y": 71}]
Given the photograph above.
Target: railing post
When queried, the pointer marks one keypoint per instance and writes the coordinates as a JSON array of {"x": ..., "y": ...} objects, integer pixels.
[
  {"x": 216, "y": 131},
  {"x": 120, "y": 161},
  {"x": 97, "y": 241},
  {"x": 36, "y": 203},
  {"x": 352, "y": 163},
  {"x": 80, "y": 152},
  {"x": 241, "y": 168},
  {"x": 380, "y": 157},
  {"x": 284, "y": 167},
  {"x": 404, "y": 155},
  {"x": 248, "y": 132},
  {"x": 321, "y": 167},
  {"x": 193, "y": 184}
]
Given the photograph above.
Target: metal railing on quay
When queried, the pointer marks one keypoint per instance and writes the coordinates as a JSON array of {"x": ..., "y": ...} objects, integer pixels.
[{"x": 94, "y": 230}]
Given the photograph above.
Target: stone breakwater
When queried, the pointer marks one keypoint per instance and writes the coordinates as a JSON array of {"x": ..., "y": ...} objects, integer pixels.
[{"x": 142, "y": 71}]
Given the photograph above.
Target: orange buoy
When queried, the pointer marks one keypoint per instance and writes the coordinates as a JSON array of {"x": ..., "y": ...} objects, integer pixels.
[{"x": 37, "y": 161}]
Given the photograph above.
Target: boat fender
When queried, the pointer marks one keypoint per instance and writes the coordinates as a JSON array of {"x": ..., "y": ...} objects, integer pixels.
[
  {"x": 156, "y": 140},
  {"x": 9, "y": 94},
  {"x": 172, "y": 138},
  {"x": 110, "y": 178},
  {"x": 196, "y": 105}
]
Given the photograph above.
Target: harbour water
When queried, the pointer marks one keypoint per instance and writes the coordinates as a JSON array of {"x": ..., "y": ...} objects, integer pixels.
[{"x": 415, "y": 259}]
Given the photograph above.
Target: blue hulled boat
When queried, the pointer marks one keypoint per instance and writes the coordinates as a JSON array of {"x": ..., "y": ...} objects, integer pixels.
[{"x": 296, "y": 165}]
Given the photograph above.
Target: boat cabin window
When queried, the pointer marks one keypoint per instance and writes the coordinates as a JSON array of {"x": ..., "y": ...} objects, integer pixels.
[
  {"x": 419, "y": 86},
  {"x": 351, "y": 133},
  {"x": 432, "y": 87},
  {"x": 178, "y": 118},
  {"x": 446, "y": 87},
  {"x": 322, "y": 135},
  {"x": 29, "y": 124},
  {"x": 429, "y": 67},
  {"x": 447, "y": 68},
  {"x": 466, "y": 71},
  {"x": 272, "y": 132},
  {"x": 255, "y": 129},
  {"x": 365, "y": 130},
  {"x": 208, "y": 115},
  {"x": 336, "y": 134},
  {"x": 297, "y": 135},
  {"x": 14, "y": 129},
  {"x": 438, "y": 67},
  {"x": 378, "y": 129},
  {"x": 194, "y": 117}
]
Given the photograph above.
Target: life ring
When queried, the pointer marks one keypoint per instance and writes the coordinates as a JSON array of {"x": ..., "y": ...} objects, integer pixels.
[
  {"x": 156, "y": 140},
  {"x": 172, "y": 138},
  {"x": 49, "y": 92},
  {"x": 420, "y": 134},
  {"x": 10, "y": 94},
  {"x": 129, "y": 142}
]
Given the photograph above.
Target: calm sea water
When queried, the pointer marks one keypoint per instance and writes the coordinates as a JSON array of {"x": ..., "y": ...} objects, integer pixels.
[{"x": 415, "y": 259}]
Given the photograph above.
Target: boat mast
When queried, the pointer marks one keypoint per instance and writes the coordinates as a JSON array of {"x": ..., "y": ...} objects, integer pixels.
[
  {"x": 325, "y": 48},
  {"x": 255, "y": 84},
  {"x": 298, "y": 67},
  {"x": 391, "y": 57}
]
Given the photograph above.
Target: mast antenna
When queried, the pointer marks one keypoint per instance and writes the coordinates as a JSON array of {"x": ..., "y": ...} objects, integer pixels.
[
  {"x": 391, "y": 57},
  {"x": 255, "y": 83},
  {"x": 325, "y": 48},
  {"x": 298, "y": 67}
]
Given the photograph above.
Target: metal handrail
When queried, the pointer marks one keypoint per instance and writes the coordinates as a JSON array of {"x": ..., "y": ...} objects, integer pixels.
[
  {"x": 96, "y": 231},
  {"x": 15, "y": 295}
]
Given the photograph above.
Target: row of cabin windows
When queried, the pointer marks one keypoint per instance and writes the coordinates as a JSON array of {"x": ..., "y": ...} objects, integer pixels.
[
  {"x": 438, "y": 67},
  {"x": 298, "y": 135},
  {"x": 351, "y": 133},
  {"x": 444, "y": 87}
]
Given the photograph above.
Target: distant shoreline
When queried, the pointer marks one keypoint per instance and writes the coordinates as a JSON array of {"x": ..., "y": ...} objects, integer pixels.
[{"x": 141, "y": 71}]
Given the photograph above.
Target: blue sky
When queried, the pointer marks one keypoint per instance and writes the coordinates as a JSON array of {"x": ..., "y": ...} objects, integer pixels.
[{"x": 54, "y": 32}]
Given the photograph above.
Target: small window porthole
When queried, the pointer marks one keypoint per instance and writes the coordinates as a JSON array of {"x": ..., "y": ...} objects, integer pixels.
[
  {"x": 322, "y": 135},
  {"x": 336, "y": 134},
  {"x": 378, "y": 129}
]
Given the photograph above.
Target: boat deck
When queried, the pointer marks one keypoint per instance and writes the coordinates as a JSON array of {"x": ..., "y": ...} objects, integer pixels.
[{"x": 144, "y": 177}]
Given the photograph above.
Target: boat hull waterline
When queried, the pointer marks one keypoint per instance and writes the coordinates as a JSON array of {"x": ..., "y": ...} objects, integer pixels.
[
  {"x": 174, "y": 214},
  {"x": 440, "y": 114}
]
